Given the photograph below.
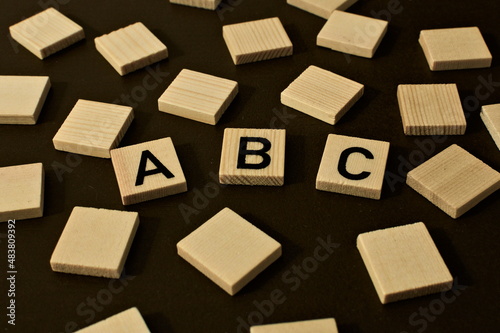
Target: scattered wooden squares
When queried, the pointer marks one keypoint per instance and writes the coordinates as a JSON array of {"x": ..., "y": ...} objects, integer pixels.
[
  {"x": 257, "y": 40},
  {"x": 131, "y": 48},
  {"x": 491, "y": 118},
  {"x": 206, "y": 4},
  {"x": 229, "y": 250},
  {"x": 403, "y": 262},
  {"x": 322, "y": 94},
  {"x": 454, "y": 180},
  {"x": 317, "y": 326},
  {"x": 95, "y": 242},
  {"x": 127, "y": 321},
  {"x": 322, "y": 8}
]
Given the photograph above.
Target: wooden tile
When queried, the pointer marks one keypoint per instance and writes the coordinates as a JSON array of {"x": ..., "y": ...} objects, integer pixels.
[
  {"x": 431, "y": 109},
  {"x": 206, "y": 4},
  {"x": 457, "y": 48},
  {"x": 229, "y": 250},
  {"x": 322, "y": 8},
  {"x": 147, "y": 171},
  {"x": 22, "y": 98},
  {"x": 93, "y": 128},
  {"x": 127, "y": 321},
  {"x": 403, "y": 262},
  {"x": 322, "y": 94},
  {"x": 198, "y": 96},
  {"x": 95, "y": 242},
  {"x": 21, "y": 192},
  {"x": 352, "y": 34},
  {"x": 353, "y": 166},
  {"x": 131, "y": 48},
  {"x": 253, "y": 157},
  {"x": 317, "y": 326},
  {"x": 257, "y": 40},
  {"x": 46, "y": 33},
  {"x": 491, "y": 118},
  {"x": 454, "y": 180}
]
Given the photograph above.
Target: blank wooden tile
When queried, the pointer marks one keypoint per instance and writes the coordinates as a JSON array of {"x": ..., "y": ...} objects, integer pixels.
[
  {"x": 21, "y": 192},
  {"x": 93, "y": 128},
  {"x": 46, "y": 33},
  {"x": 353, "y": 166},
  {"x": 229, "y": 250},
  {"x": 157, "y": 183},
  {"x": 352, "y": 34},
  {"x": 317, "y": 326},
  {"x": 322, "y": 94},
  {"x": 454, "y": 180},
  {"x": 403, "y": 262},
  {"x": 127, "y": 321},
  {"x": 253, "y": 157},
  {"x": 131, "y": 48},
  {"x": 491, "y": 118},
  {"x": 322, "y": 8},
  {"x": 457, "y": 48},
  {"x": 22, "y": 98},
  {"x": 95, "y": 242},
  {"x": 206, "y": 4},
  {"x": 257, "y": 40},
  {"x": 431, "y": 109},
  {"x": 198, "y": 96}
]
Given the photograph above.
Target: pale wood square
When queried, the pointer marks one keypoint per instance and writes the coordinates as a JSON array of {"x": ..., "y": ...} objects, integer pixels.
[
  {"x": 131, "y": 48},
  {"x": 403, "y": 262},
  {"x": 198, "y": 96},
  {"x": 322, "y": 8},
  {"x": 257, "y": 40},
  {"x": 253, "y": 157},
  {"x": 95, "y": 242},
  {"x": 127, "y": 321},
  {"x": 322, "y": 94},
  {"x": 206, "y": 4},
  {"x": 93, "y": 128},
  {"x": 454, "y": 180},
  {"x": 327, "y": 325},
  {"x": 491, "y": 118},
  {"x": 156, "y": 183},
  {"x": 229, "y": 250}
]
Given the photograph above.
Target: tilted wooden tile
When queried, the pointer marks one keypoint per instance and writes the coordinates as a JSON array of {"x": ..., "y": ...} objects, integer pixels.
[
  {"x": 21, "y": 192},
  {"x": 403, "y": 262},
  {"x": 491, "y": 118},
  {"x": 322, "y": 8},
  {"x": 352, "y": 34},
  {"x": 322, "y": 94},
  {"x": 253, "y": 157},
  {"x": 131, "y": 48},
  {"x": 327, "y": 325},
  {"x": 127, "y": 321},
  {"x": 353, "y": 166},
  {"x": 229, "y": 250},
  {"x": 454, "y": 180},
  {"x": 22, "y": 98},
  {"x": 147, "y": 171},
  {"x": 46, "y": 33},
  {"x": 457, "y": 48},
  {"x": 93, "y": 128},
  {"x": 198, "y": 96},
  {"x": 95, "y": 242},
  {"x": 257, "y": 40},
  {"x": 206, "y": 4},
  {"x": 431, "y": 109}
]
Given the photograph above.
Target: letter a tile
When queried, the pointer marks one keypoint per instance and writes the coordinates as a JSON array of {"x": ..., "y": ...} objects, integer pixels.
[{"x": 126, "y": 321}]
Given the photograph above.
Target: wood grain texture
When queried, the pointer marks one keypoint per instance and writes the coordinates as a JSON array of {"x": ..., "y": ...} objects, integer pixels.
[
  {"x": 322, "y": 8},
  {"x": 327, "y": 325},
  {"x": 457, "y": 48},
  {"x": 454, "y": 180},
  {"x": 403, "y": 262},
  {"x": 131, "y": 48},
  {"x": 93, "y": 128},
  {"x": 206, "y": 4},
  {"x": 22, "y": 98},
  {"x": 198, "y": 96},
  {"x": 490, "y": 115},
  {"x": 322, "y": 94},
  {"x": 95, "y": 242},
  {"x": 128, "y": 321},
  {"x": 257, "y": 40}
]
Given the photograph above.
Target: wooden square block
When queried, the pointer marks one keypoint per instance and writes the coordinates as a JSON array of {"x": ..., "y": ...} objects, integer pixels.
[
  {"x": 403, "y": 262},
  {"x": 352, "y": 34},
  {"x": 229, "y": 250},
  {"x": 454, "y": 180},
  {"x": 127, "y": 321},
  {"x": 253, "y": 157},
  {"x": 147, "y": 171},
  {"x": 198, "y": 96},
  {"x": 322, "y": 8},
  {"x": 457, "y": 48},
  {"x": 257, "y": 40},
  {"x": 131, "y": 48},
  {"x": 22, "y": 98},
  {"x": 431, "y": 109},
  {"x": 95, "y": 242},
  {"x": 46, "y": 33},
  {"x": 353, "y": 166},
  {"x": 322, "y": 94},
  {"x": 93, "y": 128},
  {"x": 21, "y": 192},
  {"x": 206, "y": 4},
  {"x": 491, "y": 118},
  {"x": 317, "y": 326}
]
